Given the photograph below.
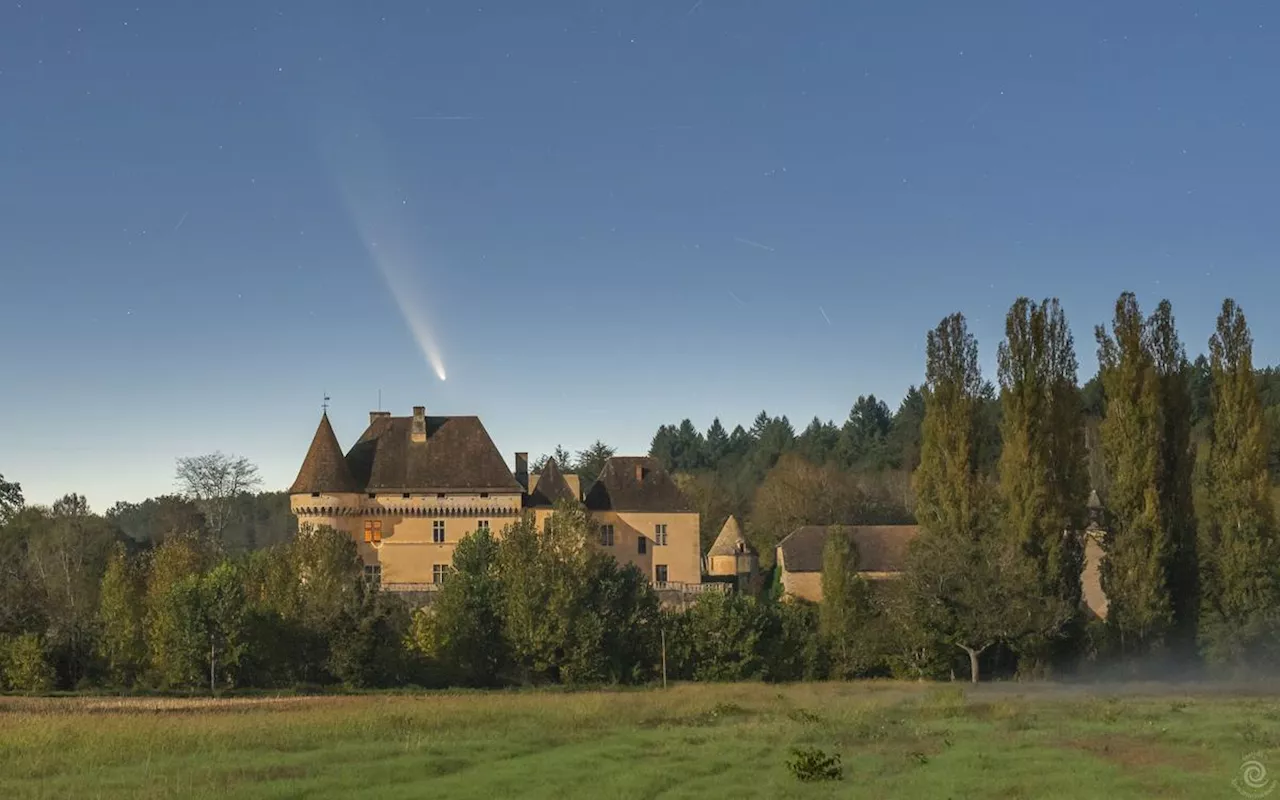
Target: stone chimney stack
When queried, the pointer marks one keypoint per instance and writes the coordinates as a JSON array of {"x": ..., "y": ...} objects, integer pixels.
[
  {"x": 419, "y": 433},
  {"x": 374, "y": 416},
  {"x": 522, "y": 470}
]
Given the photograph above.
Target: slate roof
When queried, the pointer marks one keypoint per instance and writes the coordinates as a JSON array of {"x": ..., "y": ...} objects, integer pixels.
[
  {"x": 457, "y": 455},
  {"x": 726, "y": 544},
  {"x": 635, "y": 483},
  {"x": 881, "y": 548},
  {"x": 550, "y": 487},
  {"x": 324, "y": 469}
]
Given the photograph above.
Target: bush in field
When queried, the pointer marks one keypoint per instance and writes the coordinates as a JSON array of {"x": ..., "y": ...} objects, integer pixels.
[
  {"x": 810, "y": 764},
  {"x": 24, "y": 664}
]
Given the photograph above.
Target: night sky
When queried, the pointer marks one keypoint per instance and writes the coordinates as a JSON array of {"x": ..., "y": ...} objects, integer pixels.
[{"x": 593, "y": 217}]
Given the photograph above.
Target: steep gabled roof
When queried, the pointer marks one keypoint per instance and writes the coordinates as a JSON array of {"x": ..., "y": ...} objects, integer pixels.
[
  {"x": 881, "y": 548},
  {"x": 727, "y": 543},
  {"x": 458, "y": 454},
  {"x": 635, "y": 483},
  {"x": 550, "y": 487},
  {"x": 324, "y": 469}
]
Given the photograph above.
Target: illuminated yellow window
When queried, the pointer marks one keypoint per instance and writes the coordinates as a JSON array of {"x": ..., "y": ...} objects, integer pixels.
[{"x": 373, "y": 531}]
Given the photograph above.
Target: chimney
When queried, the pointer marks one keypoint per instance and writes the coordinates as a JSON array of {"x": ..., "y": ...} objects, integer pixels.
[
  {"x": 419, "y": 433},
  {"x": 374, "y": 416},
  {"x": 522, "y": 470}
]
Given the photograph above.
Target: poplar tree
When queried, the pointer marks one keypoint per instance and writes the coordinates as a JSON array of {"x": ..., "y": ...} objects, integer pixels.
[
  {"x": 1138, "y": 546},
  {"x": 948, "y": 487},
  {"x": 1177, "y": 463},
  {"x": 1240, "y": 600},
  {"x": 1044, "y": 482}
]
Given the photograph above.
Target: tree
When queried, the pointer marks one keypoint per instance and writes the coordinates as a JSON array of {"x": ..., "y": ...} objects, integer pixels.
[
  {"x": 1138, "y": 546},
  {"x": 903, "y": 441},
  {"x": 819, "y": 442},
  {"x": 863, "y": 440},
  {"x": 1043, "y": 468},
  {"x": 972, "y": 594},
  {"x": 66, "y": 553},
  {"x": 1240, "y": 609},
  {"x": 120, "y": 642},
  {"x": 798, "y": 492},
  {"x": 463, "y": 625},
  {"x": 562, "y": 457},
  {"x": 222, "y": 617},
  {"x": 173, "y": 645},
  {"x": 717, "y": 444},
  {"x": 24, "y": 664},
  {"x": 1177, "y": 462},
  {"x": 949, "y": 494},
  {"x": 591, "y": 461},
  {"x": 214, "y": 482},
  {"x": 156, "y": 518},
  {"x": 10, "y": 500},
  {"x": 543, "y": 575},
  {"x": 846, "y": 617},
  {"x": 687, "y": 448}
]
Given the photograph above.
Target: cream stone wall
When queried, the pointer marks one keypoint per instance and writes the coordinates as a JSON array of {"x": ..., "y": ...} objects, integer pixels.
[
  {"x": 407, "y": 551},
  {"x": 731, "y": 565},
  {"x": 1091, "y": 581},
  {"x": 681, "y": 555}
]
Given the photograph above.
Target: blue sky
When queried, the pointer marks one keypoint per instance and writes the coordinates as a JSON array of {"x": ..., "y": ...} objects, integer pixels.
[{"x": 602, "y": 216}]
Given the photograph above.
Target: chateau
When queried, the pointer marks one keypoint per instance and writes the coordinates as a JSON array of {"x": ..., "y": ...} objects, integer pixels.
[{"x": 411, "y": 488}]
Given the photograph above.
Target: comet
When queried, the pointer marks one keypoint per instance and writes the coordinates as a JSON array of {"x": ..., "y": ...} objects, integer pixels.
[{"x": 375, "y": 205}]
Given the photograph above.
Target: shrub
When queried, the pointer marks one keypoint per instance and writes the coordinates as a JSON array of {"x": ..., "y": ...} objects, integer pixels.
[{"x": 810, "y": 764}]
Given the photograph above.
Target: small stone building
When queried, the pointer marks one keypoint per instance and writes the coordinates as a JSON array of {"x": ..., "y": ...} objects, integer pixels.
[
  {"x": 730, "y": 555},
  {"x": 882, "y": 553}
]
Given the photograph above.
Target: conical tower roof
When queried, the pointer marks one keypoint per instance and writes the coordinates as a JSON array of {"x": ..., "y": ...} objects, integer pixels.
[
  {"x": 324, "y": 469},
  {"x": 727, "y": 543}
]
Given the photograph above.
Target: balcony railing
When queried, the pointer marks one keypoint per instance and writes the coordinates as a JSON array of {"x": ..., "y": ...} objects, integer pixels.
[{"x": 662, "y": 586}]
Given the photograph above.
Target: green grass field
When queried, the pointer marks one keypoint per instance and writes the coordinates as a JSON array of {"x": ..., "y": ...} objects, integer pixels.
[{"x": 895, "y": 740}]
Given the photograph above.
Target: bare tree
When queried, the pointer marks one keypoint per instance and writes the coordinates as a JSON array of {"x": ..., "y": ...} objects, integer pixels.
[{"x": 213, "y": 482}]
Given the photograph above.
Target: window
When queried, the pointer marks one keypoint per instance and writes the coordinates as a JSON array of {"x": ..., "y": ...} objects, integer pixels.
[
  {"x": 437, "y": 531},
  {"x": 440, "y": 496},
  {"x": 315, "y": 494},
  {"x": 405, "y": 495},
  {"x": 660, "y": 573},
  {"x": 372, "y": 495},
  {"x": 439, "y": 572},
  {"x": 373, "y": 575},
  {"x": 483, "y": 495},
  {"x": 606, "y": 536},
  {"x": 373, "y": 531},
  {"x": 642, "y": 545},
  {"x": 660, "y": 534},
  {"x": 482, "y": 525}
]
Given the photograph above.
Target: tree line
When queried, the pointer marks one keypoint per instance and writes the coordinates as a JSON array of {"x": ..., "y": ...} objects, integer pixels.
[{"x": 157, "y": 595}]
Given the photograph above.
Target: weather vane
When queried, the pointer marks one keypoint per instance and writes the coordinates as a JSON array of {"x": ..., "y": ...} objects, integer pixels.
[{"x": 325, "y": 404}]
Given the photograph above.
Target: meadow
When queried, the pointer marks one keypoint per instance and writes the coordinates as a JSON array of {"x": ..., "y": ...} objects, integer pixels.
[{"x": 894, "y": 739}]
